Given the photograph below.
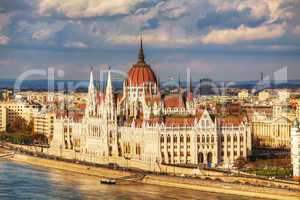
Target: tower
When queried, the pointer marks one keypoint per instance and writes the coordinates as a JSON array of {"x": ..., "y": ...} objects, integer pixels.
[
  {"x": 111, "y": 118},
  {"x": 109, "y": 98},
  {"x": 91, "y": 97},
  {"x": 295, "y": 149},
  {"x": 141, "y": 58},
  {"x": 190, "y": 88}
]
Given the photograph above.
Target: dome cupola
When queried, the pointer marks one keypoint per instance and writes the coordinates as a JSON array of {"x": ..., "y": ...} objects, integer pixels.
[{"x": 141, "y": 73}]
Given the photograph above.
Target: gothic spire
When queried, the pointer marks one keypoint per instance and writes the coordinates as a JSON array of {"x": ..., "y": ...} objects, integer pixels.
[
  {"x": 91, "y": 96},
  {"x": 141, "y": 52},
  {"x": 179, "y": 83},
  {"x": 109, "y": 100},
  {"x": 190, "y": 85},
  {"x": 91, "y": 84},
  {"x": 109, "y": 82}
]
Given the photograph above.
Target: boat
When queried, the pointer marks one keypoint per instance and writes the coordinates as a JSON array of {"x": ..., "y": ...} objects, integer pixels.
[{"x": 108, "y": 181}]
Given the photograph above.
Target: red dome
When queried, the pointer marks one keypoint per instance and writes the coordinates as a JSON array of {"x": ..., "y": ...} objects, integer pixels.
[{"x": 141, "y": 72}]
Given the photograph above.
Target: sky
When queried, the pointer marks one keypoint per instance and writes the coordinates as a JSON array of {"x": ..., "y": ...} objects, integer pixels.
[{"x": 218, "y": 39}]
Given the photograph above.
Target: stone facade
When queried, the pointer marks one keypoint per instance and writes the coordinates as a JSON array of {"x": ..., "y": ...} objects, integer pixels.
[
  {"x": 43, "y": 123},
  {"x": 274, "y": 132},
  {"x": 2, "y": 118},
  {"x": 143, "y": 126},
  {"x": 295, "y": 149},
  {"x": 15, "y": 110}
]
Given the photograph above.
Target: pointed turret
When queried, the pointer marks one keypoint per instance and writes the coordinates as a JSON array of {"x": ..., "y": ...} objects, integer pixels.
[
  {"x": 141, "y": 52},
  {"x": 91, "y": 97},
  {"x": 179, "y": 84},
  {"x": 91, "y": 84},
  {"x": 190, "y": 90},
  {"x": 108, "y": 89},
  {"x": 109, "y": 100}
]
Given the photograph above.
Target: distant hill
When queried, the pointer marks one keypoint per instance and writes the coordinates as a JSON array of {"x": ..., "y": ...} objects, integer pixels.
[{"x": 79, "y": 85}]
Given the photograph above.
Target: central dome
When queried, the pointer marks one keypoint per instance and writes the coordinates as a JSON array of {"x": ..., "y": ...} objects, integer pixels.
[{"x": 141, "y": 73}]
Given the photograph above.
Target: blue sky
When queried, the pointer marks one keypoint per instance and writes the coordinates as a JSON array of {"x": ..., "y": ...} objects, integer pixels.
[{"x": 219, "y": 39}]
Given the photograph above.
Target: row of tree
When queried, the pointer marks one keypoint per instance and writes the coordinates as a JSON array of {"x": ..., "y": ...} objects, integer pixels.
[{"x": 21, "y": 132}]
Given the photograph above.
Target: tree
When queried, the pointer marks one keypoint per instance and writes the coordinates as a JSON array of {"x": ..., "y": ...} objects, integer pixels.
[
  {"x": 20, "y": 125},
  {"x": 40, "y": 139},
  {"x": 240, "y": 162}
]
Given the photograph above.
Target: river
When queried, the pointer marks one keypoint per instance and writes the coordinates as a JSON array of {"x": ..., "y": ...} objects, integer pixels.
[{"x": 22, "y": 181}]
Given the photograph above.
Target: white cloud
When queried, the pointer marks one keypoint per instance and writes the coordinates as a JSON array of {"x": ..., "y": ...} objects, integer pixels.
[
  {"x": 42, "y": 34},
  {"x": 4, "y": 20},
  {"x": 243, "y": 33},
  {"x": 296, "y": 30},
  {"x": 87, "y": 8},
  {"x": 4, "y": 39},
  {"x": 159, "y": 38},
  {"x": 42, "y": 31},
  {"x": 7, "y": 61},
  {"x": 165, "y": 23},
  {"x": 75, "y": 44},
  {"x": 272, "y": 9}
]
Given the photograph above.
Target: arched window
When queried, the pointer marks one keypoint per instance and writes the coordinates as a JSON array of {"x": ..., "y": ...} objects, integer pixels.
[
  {"x": 162, "y": 139},
  {"x": 188, "y": 139},
  {"x": 168, "y": 138},
  {"x": 228, "y": 138},
  {"x": 175, "y": 138},
  {"x": 222, "y": 138},
  {"x": 181, "y": 138},
  {"x": 198, "y": 138}
]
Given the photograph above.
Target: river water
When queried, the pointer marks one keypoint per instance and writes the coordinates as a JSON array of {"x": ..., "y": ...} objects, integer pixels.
[{"x": 21, "y": 181}]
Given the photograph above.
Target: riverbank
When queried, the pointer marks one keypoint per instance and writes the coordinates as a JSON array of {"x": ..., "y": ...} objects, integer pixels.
[
  {"x": 185, "y": 183},
  {"x": 73, "y": 167}
]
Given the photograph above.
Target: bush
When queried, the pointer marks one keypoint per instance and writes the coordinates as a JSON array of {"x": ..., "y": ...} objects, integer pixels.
[
  {"x": 240, "y": 162},
  {"x": 17, "y": 138}
]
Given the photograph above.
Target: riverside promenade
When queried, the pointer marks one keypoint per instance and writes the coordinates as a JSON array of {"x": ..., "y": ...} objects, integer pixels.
[
  {"x": 217, "y": 184},
  {"x": 171, "y": 181}
]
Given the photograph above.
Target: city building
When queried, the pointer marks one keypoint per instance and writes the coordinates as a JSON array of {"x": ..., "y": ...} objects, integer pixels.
[
  {"x": 295, "y": 149},
  {"x": 243, "y": 94},
  {"x": 5, "y": 95},
  {"x": 143, "y": 125},
  {"x": 263, "y": 95},
  {"x": 43, "y": 123},
  {"x": 2, "y": 118},
  {"x": 18, "y": 110},
  {"x": 273, "y": 132},
  {"x": 283, "y": 95}
]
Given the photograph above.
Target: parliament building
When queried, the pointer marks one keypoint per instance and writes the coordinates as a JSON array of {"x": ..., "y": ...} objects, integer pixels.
[{"x": 144, "y": 125}]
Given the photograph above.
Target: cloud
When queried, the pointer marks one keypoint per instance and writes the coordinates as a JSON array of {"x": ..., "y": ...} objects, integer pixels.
[
  {"x": 7, "y": 61},
  {"x": 42, "y": 34},
  {"x": 5, "y": 20},
  {"x": 243, "y": 33},
  {"x": 101, "y": 24},
  {"x": 230, "y": 19},
  {"x": 89, "y": 8},
  {"x": 4, "y": 39},
  {"x": 40, "y": 31},
  {"x": 158, "y": 38},
  {"x": 273, "y": 10},
  {"x": 151, "y": 24},
  {"x": 174, "y": 9},
  {"x": 296, "y": 30},
  {"x": 75, "y": 44}
]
